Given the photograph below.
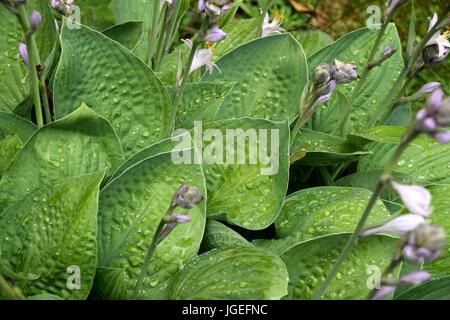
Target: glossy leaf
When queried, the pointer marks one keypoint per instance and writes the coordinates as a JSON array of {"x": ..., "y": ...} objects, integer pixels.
[
  {"x": 131, "y": 207},
  {"x": 9, "y": 146},
  {"x": 309, "y": 262},
  {"x": 127, "y": 34},
  {"x": 219, "y": 236},
  {"x": 11, "y": 124},
  {"x": 312, "y": 40},
  {"x": 239, "y": 273},
  {"x": 101, "y": 73},
  {"x": 270, "y": 74},
  {"x": 50, "y": 234},
  {"x": 438, "y": 289}
]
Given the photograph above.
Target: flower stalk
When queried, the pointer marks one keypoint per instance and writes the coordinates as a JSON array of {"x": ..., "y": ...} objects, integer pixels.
[{"x": 9, "y": 292}]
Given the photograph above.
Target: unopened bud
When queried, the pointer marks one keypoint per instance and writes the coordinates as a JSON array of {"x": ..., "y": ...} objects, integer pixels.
[
  {"x": 344, "y": 72},
  {"x": 35, "y": 20},
  {"x": 424, "y": 244},
  {"x": 322, "y": 74},
  {"x": 186, "y": 197}
]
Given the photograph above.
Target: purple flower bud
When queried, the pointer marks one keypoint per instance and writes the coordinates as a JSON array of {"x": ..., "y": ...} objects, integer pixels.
[
  {"x": 422, "y": 114},
  {"x": 400, "y": 225},
  {"x": 415, "y": 198},
  {"x": 429, "y": 87},
  {"x": 35, "y": 20},
  {"x": 24, "y": 53},
  {"x": 201, "y": 5},
  {"x": 388, "y": 51},
  {"x": 344, "y": 72},
  {"x": 186, "y": 197},
  {"x": 178, "y": 218},
  {"x": 424, "y": 244},
  {"x": 383, "y": 292},
  {"x": 216, "y": 34},
  {"x": 436, "y": 100},
  {"x": 215, "y": 8},
  {"x": 415, "y": 277},
  {"x": 166, "y": 231},
  {"x": 430, "y": 124},
  {"x": 322, "y": 74},
  {"x": 442, "y": 137}
]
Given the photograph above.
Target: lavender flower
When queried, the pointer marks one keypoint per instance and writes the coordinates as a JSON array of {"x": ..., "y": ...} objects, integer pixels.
[
  {"x": 186, "y": 197},
  {"x": 269, "y": 28},
  {"x": 400, "y": 225},
  {"x": 214, "y": 8},
  {"x": 35, "y": 20},
  {"x": 429, "y": 88},
  {"x": 203, "y": 57},
  {"x": 63, "y": 6},
  {"x": 434, "y": 115},
  {"x": 344, "y": 72},
  {"x": 424, "y": 244},
  {"x": 383, "y": 292},
  {"x": 388, "y": 51},
  {"x": 24, "y": 53},
  {"x": 178, "y": 218},
  {"x": 215, "y": 35},
  {"x": 414, "y": 277},
  {"x": 417, "y": 199},
  {"x": 438, "y": 47}
]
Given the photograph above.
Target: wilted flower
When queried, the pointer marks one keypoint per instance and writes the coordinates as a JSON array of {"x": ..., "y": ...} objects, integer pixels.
[
  {"x": 417, "y": 199},
  {"x": 186, "y": 197},
  {"x": 215, "y": 8},
  {"x": 35, "y": 20},
  {"x": 322, "y": 74},
  {"x": 24, "y": 53},
  {"x": 215, "y": 35},
  {"x": 400, "y": 225},
  {"x": 203, "y": 57},
  {"x": 344, "y": 72},
  {"x": 438, "y": 47},
  {"x": 424, "y": 244},
  {"x": 269, "y": 28}
]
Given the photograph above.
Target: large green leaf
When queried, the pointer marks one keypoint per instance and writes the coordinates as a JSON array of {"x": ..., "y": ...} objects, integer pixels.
[
  {"x": 356, "y": 46},
  {"x": 13, "y": 73},
  {"x": 131, "y": 207},
  {"x": 239, "y": 273},
  {"x": 316, "y": 148},
  {"x": 438, "y": 289},
  {"x": 250, "y": 194},
  {"x": 309, "y": 262},
  {"x": 126, "y": 10},
  {"x": 9, "y": 146},
  {"x": 102, "y": 73},
  {"x": 11, "y": 124},
  {"x": 96, "y": 13},
  {"x": 219, "y": 236},
  {"x": 127, "y": 34},
  {"x": 78, "y": 144},
  {"x": 270, "y": 74},
  {"x": 200, "y": 102},
  {"x": 440, "y": 217},
  {"x": 312, "y": 40},
  {"x": 238, "y": 32},
  {"x": 315, "y": 212},
  {"x": 51, "y": 231},
  {"x": 425, "y": 160}
]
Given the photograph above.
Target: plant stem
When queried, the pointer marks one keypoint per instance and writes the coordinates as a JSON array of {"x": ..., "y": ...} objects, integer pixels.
[
  {"x": 148, "y": 257},
  {"x": 34, "y": 60},
  {"x": 153, "y": 34},
  {"x": 409, "y": 136},
  {"x": 8, "y": 292},
  {"x": 179, "y": 91}
]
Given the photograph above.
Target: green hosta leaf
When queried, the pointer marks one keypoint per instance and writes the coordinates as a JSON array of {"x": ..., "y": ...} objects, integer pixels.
[
  {"x": 248, "y": 195},
  {"x": 168, "y": 70},
  {"x": 239, "y": 273},
  {"x": 126, "y": 10},
  {"x": 78, "y": 144},
  {"x": 131, "y": 208},
  {"x": 312, "y": 40},
  {"x": 315, "y": 212},
  {"x": 270, "y": 74},
  {"x": 219, "y": 236},
  {"x": 384, "y": 134},
  {"x": 11, "y": 124},
  {"x": 309, "y": 262},
  {"x": 100, "y": 72},
  {"x": 200, "y": 102},
  {"x": 315, "y": 148},
  {"x": 9, "y": 146},
  {"x": 96, "y": 13},
  {"x": 438, "y": 289},
  {"x": 356, "y": 46},
  {"x": 238, "y": 32},
  {"x": 45, "y": 296},
  {"x": 50, "y": 233},
  {"x": 13, "y": 73},
  {"x": 427, "y": 161},
  {"x": 440, "y": 217},
  {"x": 127, "y": 34}
]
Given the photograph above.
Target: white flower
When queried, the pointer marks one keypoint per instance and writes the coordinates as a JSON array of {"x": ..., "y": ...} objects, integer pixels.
[
  {"x": 400, "y": 225},
  {"x": 202, "y": 57},
  {"x": 415, "y": 198},
  {"x": 272, "y": 27},
  {"x": 440, "y": 40}
]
